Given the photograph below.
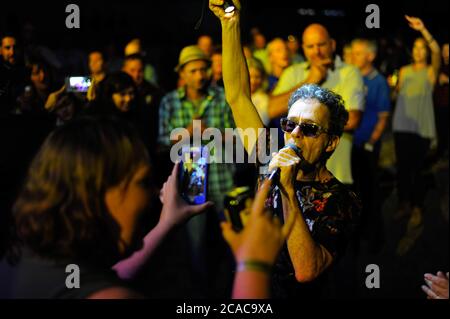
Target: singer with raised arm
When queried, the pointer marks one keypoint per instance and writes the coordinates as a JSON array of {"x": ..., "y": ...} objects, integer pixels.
[{"x": 328, "y": 210}]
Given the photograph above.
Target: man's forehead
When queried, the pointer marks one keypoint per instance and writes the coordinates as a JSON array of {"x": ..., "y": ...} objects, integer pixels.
[
  {"x": 133, "y": 63},
  {"x": 197, "y": 64},
  {"x": 309, "y": 110},
  {"x": 8, "y": 41},
  {"x": 315, "y": 33}
]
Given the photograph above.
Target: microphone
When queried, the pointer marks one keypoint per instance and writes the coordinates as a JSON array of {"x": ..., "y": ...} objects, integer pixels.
[{"x": 274, "y": 176}]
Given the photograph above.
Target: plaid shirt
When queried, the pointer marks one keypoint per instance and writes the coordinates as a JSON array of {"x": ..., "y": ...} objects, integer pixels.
[{"x": 176, "y": 111}]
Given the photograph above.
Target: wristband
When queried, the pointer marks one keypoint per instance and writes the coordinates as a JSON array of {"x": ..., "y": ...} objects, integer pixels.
[{"x": 254, "y": 265}]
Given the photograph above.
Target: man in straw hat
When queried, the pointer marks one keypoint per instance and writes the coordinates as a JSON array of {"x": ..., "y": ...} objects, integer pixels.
[{"x": 197, "y": 100}]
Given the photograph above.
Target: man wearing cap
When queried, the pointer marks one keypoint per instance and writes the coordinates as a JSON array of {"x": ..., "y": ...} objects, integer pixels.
[{"x": 197, "y": 100}]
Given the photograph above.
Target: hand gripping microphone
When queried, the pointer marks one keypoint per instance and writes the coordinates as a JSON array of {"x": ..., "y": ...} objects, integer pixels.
[
  {"x": 304, "y": 165},
  {"x": 274, "y": 176}
]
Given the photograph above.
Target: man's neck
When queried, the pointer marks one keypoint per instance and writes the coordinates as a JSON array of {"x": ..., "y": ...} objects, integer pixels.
[
  {"x": 277, "y": 71},
  {"x": 194, "y": 95},
  {"x": 366, "y": 70},
  {"x": 321, "y": 174},
  {"x": 420, "y": 65},
  {"x": 98, "y": 76}
]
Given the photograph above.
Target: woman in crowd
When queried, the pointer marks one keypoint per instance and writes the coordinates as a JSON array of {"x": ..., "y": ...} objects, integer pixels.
[
  {"x": 80, "y": 207},
  {"x": 33, "y": 98},
  {"x": 413, "y": 121},
  {"x": 115, "y": 95},
  {"x": 81, "y": 204}
]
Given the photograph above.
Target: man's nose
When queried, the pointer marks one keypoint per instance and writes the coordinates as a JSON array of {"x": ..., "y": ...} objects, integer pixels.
[{"x": 297, "y": 132}]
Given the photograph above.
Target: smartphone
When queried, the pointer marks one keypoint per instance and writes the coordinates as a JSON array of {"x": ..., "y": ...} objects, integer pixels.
[
  {"x": 79, "y": 84},
  {"x": 237, "y": 205},
  {"x": 194, "y": 174}
]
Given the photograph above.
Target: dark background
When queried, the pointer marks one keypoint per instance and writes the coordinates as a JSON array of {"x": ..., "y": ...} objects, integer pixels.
[{"x": 167, "y": 26}]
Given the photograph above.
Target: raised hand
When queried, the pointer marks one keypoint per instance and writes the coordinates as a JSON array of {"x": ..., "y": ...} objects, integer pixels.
[
  {"x": 436, "y": 286},
  {"x": 262, "y": 236},
  {"x": 415, "y": 23},
  {"x": 216, "y": 6},
  {"x": 175, "y": 209},
  {"x": 287, "y": 160}
]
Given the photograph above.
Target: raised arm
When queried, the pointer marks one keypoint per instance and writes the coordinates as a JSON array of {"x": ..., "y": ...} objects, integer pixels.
[
  {"x": 418, "y": 25},
  {"x": 235, "y": 72}
]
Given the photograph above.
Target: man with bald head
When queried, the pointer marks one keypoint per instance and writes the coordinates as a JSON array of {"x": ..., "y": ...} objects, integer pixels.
[{"x": 326, "y": 69}]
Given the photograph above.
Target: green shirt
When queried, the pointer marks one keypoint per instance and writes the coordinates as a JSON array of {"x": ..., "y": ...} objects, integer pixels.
[{"x": 176, "y": 111}]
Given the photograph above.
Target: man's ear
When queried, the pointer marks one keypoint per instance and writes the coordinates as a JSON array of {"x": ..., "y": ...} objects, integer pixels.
[
  {"x": 332, "y": 143},
  {"x": 181, "y": 74},
  {"x": 333, "y": 44}
]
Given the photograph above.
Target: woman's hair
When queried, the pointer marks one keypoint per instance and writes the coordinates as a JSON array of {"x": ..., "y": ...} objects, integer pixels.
[
  {"x": 45, "y": 67},
  {"x": 61, "y": 212},
  {"x": 113, "y": 83}
]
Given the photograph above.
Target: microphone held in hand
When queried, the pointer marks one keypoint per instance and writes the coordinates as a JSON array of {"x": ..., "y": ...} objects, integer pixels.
[
  {"x": 274, "y": 176},
  {"x": 304, "y": 165}
]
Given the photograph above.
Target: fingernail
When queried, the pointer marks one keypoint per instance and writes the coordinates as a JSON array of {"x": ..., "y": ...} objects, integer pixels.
[{"x": 428, "y": 276}]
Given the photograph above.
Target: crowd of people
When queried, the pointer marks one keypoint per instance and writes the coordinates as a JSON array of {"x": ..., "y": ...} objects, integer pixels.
[{"x": 102, "y": 192}]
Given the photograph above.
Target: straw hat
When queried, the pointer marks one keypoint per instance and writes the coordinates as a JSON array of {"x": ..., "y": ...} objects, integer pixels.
[{"x": 189, "y": 54}]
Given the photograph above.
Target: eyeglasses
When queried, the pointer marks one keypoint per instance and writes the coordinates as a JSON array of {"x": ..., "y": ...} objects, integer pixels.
[{"x": 308, "y": 129}]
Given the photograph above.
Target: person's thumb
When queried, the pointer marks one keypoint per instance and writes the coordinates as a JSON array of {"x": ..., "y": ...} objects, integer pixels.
[
  {"x": 197, "y": 209},
  {"x": 229, "y": 234}
]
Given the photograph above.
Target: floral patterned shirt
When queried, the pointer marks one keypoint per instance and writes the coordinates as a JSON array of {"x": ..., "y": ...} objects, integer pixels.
[{"x": 331, "y": 212}]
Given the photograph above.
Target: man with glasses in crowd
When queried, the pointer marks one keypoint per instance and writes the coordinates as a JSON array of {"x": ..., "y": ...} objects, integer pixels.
[{"x": 327, "y": 210}]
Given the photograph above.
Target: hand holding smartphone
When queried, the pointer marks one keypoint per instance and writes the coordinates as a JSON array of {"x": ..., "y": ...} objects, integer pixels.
[
  {"x": 194, "y": 174},
  {"x": 78, "y": 84}
]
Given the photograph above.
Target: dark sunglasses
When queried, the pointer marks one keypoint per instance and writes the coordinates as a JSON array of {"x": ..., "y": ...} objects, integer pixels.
[{"x": 308, "y": 129}]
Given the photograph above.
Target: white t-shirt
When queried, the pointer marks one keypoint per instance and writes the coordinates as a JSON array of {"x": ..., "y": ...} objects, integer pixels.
[{"x": 344, "y": 80}]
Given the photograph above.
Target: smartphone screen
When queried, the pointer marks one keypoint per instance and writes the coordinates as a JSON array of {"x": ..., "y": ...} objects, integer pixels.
[
  {"x": 78, "y": 84},
  {"x": 194, "y": 174}
]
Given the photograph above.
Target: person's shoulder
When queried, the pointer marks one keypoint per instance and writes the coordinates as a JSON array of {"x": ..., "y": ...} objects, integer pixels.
[
  {"x": 217, "y": 94},
  {"x": 170, "y": 96},
  {"x": 380, "y": 78},
  {"x": 216, "y": 89},
  {"x": 338, "y": 186},
  {"x": 115, "y": 292},
  {"x": 297, "y": 67},
  {"x": 350, "y": 70},
  {"x": 406, "y": 68}
]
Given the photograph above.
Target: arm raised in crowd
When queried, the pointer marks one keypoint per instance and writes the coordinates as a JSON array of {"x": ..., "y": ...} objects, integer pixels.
[
  {"x": 235, "y": 72},
  {"x": 417, "y": 24}
]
